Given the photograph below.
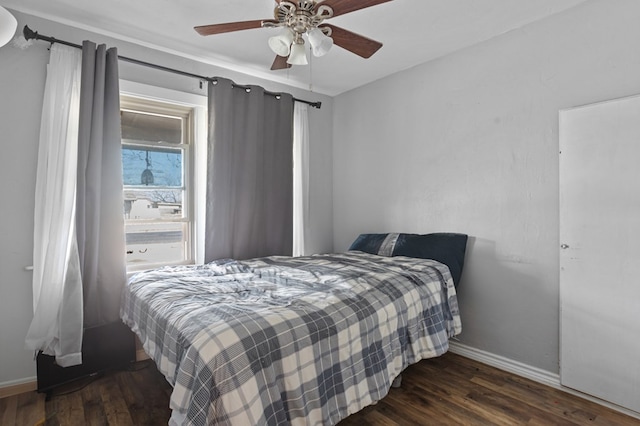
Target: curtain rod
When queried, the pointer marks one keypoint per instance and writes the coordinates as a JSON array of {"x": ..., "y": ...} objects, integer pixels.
[{"x": 29, "y": 34}]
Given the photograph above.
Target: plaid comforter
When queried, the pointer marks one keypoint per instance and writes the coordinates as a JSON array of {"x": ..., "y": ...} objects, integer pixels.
[{"x": 282, "y": 340}]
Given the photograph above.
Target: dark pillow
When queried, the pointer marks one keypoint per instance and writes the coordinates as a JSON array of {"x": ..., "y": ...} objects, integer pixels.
[
  {"x": 447, "y": 248},
  {"x": 372, "y": 243}
]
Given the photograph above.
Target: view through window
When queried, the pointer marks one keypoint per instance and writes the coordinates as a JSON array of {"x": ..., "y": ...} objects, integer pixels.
[{"x": 156, "y": 162}]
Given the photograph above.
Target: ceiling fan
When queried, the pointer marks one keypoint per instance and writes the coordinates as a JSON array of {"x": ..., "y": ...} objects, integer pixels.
[{"x": 298, "y": 18}]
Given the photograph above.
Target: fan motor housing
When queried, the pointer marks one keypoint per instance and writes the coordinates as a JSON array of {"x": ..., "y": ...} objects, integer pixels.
[{"x": 301, "y": 16}]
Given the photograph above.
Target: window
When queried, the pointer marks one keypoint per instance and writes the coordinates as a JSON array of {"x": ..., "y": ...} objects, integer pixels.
[{"x": 157, "y": 141}]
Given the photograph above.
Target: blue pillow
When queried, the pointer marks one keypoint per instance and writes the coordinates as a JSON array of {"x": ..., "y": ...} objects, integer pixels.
[{"x": 447, "y": 248}]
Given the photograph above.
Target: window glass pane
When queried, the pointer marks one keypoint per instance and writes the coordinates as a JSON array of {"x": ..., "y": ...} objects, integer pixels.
[
  {"x": 151, "y": 128},
  {"x": 155, "y": 243},
  {"x": 153, "y": 205},
  {"x": 157, "y": 185},
  {"x": 152, "y": 166}
]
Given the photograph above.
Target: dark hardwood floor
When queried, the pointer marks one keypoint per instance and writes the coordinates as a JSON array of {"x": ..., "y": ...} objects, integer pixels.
[{"x": 447, "y": 390}]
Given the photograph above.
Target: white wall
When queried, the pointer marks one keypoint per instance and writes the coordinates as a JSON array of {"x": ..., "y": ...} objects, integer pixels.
[
  {"x": 22, "y": 75},
  {"x": 469, "y": 143}
]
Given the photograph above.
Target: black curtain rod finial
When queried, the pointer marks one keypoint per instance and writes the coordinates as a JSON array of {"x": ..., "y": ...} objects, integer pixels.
[{"x": 28, "y": 33}]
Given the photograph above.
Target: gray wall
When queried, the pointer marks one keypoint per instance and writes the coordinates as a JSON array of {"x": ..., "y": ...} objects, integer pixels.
[
  {"x": 22, "y": 76},
  {"x": 469, "y": 143}
]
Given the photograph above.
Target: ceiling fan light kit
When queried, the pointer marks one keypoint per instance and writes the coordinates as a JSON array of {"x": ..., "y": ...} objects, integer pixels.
[
  {"x": 320, "y": 42},
  {"x": 298, "y": 56},
  {"x": 281, "y": 44},
  {"x": 306, "y": 19}
]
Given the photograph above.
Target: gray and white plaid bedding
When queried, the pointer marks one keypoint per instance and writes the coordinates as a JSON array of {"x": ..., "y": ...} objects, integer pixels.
[{"x": 282, "y": 340}]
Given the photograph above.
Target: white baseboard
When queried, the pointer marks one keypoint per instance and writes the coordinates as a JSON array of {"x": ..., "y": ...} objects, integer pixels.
[
  {"x": 533, "y": 373},
  {"x": 529, "y": 372},
  {"x": 16, "y": 387}
]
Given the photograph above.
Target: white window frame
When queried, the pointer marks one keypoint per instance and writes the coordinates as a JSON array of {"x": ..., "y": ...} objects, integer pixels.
[{"x": 195, "y": 173}]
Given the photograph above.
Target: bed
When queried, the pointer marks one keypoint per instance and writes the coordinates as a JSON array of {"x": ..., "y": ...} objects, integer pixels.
[{"x": 281, "y": 340}]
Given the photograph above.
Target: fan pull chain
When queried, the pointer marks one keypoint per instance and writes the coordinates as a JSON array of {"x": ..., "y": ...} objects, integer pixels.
[{"x": 310, "y": 70}]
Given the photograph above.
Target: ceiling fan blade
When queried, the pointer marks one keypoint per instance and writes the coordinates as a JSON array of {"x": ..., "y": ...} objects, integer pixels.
[
  {"x": 229, "y": 27},
  {"x": 355, "y": 43},
  {"x": 280, "y": 63},
  {"x": 340, "y": 7}
]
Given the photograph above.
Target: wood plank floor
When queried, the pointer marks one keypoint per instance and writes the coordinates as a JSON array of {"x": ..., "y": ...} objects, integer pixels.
[{"x": 449, "y": 390}]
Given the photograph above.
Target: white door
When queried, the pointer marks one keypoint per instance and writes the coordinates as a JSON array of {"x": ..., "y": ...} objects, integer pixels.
[{"x": 600, "y": 250}]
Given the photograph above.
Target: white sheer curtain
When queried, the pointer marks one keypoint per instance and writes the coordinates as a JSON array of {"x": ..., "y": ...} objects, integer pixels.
[
  {"x": 300, "y": 176},
  {"x": 56, "y": 328}
]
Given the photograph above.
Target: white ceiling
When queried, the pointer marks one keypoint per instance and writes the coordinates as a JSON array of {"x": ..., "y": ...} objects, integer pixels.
[{"x": 412, "y": 31}]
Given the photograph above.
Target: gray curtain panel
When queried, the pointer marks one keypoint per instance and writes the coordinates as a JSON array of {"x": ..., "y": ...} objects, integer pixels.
[
  {"x": 100, "y": 219},
  {"x": 250, "y": 173}
]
